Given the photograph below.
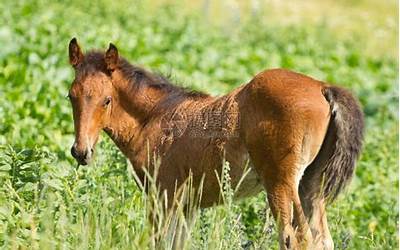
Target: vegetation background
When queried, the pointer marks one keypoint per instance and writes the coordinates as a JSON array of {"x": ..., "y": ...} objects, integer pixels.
[{"x": 214, "y": 46}]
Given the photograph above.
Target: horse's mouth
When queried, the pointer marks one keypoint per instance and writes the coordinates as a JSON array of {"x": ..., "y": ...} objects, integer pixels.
[
  {"x": 83, "y": 162},
  {"x": 83, "y": 159}
]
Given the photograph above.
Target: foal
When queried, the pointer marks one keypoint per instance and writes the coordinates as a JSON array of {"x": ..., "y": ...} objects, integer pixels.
[{"x": 300, "y": 137}]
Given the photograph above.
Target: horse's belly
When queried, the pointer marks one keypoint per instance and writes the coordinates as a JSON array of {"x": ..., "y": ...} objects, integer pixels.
[{"x": 249, "y": 186}]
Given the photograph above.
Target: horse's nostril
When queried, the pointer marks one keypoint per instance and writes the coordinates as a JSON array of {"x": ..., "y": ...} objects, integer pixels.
[
  {"x": 79, "y": 154},
  {"x": 82, "y": 156},
  {"x": 73, "y": 152}
]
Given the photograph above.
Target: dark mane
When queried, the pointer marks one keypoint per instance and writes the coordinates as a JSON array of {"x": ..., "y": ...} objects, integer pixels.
[{"x": 139, "y": 77}]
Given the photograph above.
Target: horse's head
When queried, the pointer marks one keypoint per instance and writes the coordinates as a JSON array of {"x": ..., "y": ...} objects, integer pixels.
[{"x": 91, "y": 96}]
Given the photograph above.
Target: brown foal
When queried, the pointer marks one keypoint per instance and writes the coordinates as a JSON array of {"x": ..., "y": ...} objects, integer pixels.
[{"x": 300, "y": 137}]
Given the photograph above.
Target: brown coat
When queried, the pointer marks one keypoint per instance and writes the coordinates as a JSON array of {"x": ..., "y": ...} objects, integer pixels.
[{"x": 282, "y": 125}]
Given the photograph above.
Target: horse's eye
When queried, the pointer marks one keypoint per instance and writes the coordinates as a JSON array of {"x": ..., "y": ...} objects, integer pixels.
[{"x": 107, "y": 101}]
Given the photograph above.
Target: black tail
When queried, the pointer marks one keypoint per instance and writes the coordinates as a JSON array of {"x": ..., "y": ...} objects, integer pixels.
[{"x": 335, "y": 163}]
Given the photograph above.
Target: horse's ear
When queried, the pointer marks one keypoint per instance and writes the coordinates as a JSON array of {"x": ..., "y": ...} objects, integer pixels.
[
  {"x": 75, "y": 53},
  {"x": 111, "y": 57}
]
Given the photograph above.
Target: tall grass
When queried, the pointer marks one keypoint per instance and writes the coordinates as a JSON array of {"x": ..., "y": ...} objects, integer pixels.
[{"x": 56, "y": 215}]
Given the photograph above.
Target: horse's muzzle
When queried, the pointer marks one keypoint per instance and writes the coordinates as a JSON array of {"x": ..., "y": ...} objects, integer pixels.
[{"x": 82, "y": 156}]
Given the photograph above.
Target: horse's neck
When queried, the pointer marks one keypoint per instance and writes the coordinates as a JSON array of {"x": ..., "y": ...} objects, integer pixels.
[
  {"x": 133, "y": 128},
  {"x": 123, "y": 128},
  {"x": 137, "y": 101},
  {"x": 130, "y": 111}
]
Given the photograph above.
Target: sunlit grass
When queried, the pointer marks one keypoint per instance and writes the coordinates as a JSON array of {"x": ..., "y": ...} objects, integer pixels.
[{"x": 374, "y": 20}]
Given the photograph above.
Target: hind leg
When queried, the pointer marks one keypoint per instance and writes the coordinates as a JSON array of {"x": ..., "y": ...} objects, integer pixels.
[
  {"x": 286, "y": 207},
  {"x": 314, "y": 209},
  {"x": 279, "y": 178},
  {"x": 280, "y": 202},
  {"x": 319, "y": 226},
  {"x": 316, "y": 214}
]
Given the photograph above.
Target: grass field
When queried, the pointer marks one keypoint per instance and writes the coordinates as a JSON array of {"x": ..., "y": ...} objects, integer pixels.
[{"x": 47, "y": 203}]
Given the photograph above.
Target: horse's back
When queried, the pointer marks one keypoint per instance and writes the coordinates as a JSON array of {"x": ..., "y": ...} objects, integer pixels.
[{"x": 280, "y": 88}]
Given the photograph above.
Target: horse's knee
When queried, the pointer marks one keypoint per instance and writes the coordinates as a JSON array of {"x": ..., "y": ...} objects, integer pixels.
[
  {"x": 305, "y": 239},
  {"x": 287, "y": 239}
]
